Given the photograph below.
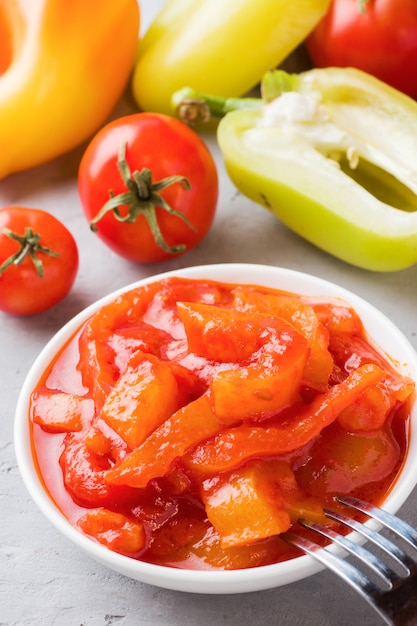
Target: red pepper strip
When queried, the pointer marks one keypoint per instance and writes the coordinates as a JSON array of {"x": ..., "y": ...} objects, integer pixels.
[
  {"x": 226, "y": 335},
  {"x": 84, "y": 474},
  {"x": 337, "y": 316},
  {"x": 360, "y": 350},
  {"x": 58, "y": 412},
  {"x": 267, "y": 356},
  {"x": 233, "y": 446},
  {"x": 319, "y": 363},
  {"x": 97, "y": 363},
  {"x": 262, "y": 390},
  {"x": 114, "y": 530},
  {"x": 98, "y": 369},
  {"x": 153, "y": 458}
]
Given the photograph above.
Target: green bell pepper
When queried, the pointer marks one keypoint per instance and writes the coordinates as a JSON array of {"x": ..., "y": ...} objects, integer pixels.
[{"x": 333, "y": 154}]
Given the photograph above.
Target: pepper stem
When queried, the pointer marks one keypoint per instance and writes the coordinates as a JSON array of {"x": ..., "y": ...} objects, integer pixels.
[
  {"x": 193, "y": 107},
  {"x": 141, "y": 198},
  {"x": 29, "y": 247}
]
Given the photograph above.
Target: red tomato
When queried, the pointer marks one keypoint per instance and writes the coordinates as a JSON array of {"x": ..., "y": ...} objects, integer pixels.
[
  {"x": 44, "y": 273},
  {"x": 381, "y": 40},
  {"x": 167, "y": 148}
]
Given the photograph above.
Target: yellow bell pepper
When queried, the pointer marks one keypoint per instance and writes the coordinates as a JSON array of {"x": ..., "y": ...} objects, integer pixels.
[
  {"x": 221, "y": 47},
  {"x": 63, "y": 67}
]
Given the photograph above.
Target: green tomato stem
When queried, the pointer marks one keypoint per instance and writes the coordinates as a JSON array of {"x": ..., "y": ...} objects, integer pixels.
[
  {"x": 362, "y": 4},
  {"x": 193, "y": 107},
  {"x": 141, "y": 198},
  {"x": 29, "y": 247}
]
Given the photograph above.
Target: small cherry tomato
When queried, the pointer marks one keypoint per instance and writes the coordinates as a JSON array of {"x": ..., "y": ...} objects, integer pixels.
[
  {"x": 38, "y": 260},
  {"x": 148, "y": 185},
  {"x": 376, "y": 36}
]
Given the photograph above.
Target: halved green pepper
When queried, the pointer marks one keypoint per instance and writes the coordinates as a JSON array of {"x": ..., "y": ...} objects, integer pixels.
[{"x": 333, "y": 154}]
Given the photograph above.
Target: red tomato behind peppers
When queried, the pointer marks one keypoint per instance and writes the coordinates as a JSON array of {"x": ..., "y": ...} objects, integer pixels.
[
  {"x": 166, "y": 147},
  {"x": 24, "y": 289},
  {"x": 381, "y": 40}
]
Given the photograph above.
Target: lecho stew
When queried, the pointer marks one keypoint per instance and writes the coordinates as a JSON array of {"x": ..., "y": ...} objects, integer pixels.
[{"x": 190, "y": 422}]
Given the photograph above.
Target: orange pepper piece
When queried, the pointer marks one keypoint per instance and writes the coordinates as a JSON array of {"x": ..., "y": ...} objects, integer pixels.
[
  {"x": 103, "y": 441},
  {"x": 343, "y": 462},
  {"x": 242, "y": 509},
  {"x": 144, "y": 396},
  {"x": 368, "y": 412},
  {"x": 262, "y": 490}
]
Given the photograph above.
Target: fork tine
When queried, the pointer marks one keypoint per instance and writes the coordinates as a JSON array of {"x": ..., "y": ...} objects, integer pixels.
[
  {"x": 397, "y": 525},
  {"x": 404, "y": 560},
  {"x": 386, "y": 573},
  {"x": 348, "y": 572}
]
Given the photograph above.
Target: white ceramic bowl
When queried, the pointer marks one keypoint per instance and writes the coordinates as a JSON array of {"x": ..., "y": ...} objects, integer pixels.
[{"x": 383, "y": 331}]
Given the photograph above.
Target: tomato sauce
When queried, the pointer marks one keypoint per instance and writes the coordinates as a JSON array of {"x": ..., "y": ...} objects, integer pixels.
[{"x": 190, "y": 422}]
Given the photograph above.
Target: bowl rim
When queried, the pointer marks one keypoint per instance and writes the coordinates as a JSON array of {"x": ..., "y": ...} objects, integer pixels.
[{"x": 389, "y": 337}]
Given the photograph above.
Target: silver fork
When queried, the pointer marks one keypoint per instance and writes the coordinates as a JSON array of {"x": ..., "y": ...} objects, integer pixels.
[{"x": 391, "y": 591}]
